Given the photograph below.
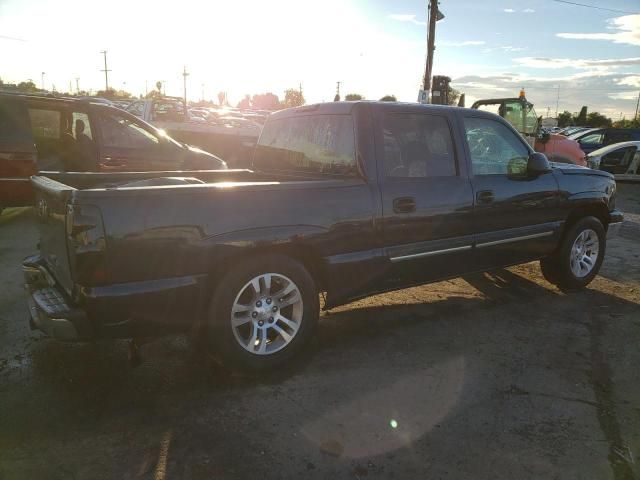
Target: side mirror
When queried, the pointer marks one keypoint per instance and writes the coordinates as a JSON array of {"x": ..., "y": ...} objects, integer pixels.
[{"x": 537, "y": 164}]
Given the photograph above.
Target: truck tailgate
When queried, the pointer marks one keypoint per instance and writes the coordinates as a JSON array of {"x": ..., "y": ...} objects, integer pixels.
[{"x": 51, "y": 200}]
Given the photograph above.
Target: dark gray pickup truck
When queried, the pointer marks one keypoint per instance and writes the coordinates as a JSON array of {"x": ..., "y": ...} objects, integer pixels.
[{"x": 347, "y": 199}]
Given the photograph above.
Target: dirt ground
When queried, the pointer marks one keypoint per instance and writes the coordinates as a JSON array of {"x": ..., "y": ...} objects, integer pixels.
[{"x": 492, "y": 376}]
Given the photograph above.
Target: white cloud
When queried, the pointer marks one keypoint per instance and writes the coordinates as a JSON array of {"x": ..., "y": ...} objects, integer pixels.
[
  {"x": 406, "y": 17},
  {"x": 546, "y": 62},
  {"x": 601, "y": 91},
  {"x": 631, "y": 80},
  {"x": 628, "y": 31},
  {"x": 509, "y": 10},
  {"x": 505, "y": 48},
  {"x": 623, "y": 96},
  {"x": 528, "y": 10},
  {"x": 465, "y": 43}
]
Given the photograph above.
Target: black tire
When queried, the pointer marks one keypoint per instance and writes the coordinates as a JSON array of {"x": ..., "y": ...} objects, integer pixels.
[
  {"x": 557, "y": 268},
  {"x": 222, "y": 343},
  {"x": 549, "y": 268}
]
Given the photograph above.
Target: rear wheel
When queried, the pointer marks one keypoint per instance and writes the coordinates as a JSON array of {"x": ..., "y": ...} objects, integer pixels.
[
  {"x": 262, "y": 312},
  {"x": 579, "y": 257}
]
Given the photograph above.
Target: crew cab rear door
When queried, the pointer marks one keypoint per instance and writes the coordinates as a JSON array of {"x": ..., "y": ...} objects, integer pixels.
[
  {"x": 427, "y": 199},
  {"x": 516, "y": 216}
]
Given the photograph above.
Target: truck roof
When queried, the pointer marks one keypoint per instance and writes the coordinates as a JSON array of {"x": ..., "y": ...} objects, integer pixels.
[{"x": 345, "y": 108}]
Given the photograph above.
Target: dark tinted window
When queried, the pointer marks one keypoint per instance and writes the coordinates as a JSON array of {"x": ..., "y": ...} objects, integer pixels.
[
  {"x": 14, "y": 124},
  {"x": 313, "y": 143},
  {"x": 418, "y": 146},
  {"x": 168, "y": 110},
  {"x": 617, "y": 137},
  {"x": 494, "y": 148}
]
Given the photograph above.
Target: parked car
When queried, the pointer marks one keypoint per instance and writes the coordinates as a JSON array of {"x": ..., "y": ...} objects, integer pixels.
[
  {"x": 571, "y": 130},
  {"x": 347, "y": 198},
  {"x": 619, "y": 158},
  {"x": 591, "y": 140},
  {"x": 49, "y": 133},
  {"x": 232, "y": 142}
]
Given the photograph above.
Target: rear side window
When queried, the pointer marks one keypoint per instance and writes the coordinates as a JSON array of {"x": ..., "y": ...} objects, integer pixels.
[
  {"x": 80, "y": 125},
  {"x": 14, "y": 123},
  {"x": 418, "y": 146},
  {"x": 617, "y": 137},
  {"x": 45, "y": 123},
  {"x": 314, "y": 144}
]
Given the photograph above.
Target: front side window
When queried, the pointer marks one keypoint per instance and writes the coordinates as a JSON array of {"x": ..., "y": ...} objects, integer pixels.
[
  {"x": 119, "y": 131},
  {"x": 494, "y": 148},
  {"x": 45, "y": 123},
  {"x": 313, "y": 143},
  {"x": 592, "y": 139},
  {"x": 621, "y": 156},
  {"x": 417, "y": 146}
]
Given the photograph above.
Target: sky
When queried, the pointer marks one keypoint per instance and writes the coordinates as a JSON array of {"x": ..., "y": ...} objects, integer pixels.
[{"x": 560, "y": 53}]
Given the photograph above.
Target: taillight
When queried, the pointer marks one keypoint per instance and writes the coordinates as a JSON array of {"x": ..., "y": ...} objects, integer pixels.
[{"x": 86, "y": 244}]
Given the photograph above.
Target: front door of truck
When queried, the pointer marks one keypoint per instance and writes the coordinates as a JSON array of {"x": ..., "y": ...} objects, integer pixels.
[
  {"x": 516, "y": 216},
  {"x": 426, "y": 197}
]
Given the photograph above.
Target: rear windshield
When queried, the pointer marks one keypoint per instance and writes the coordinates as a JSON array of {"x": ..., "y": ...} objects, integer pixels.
[{"x": 322, "y": 144}]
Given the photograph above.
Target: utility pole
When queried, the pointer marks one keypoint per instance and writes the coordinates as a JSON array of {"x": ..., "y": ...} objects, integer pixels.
[
  {"x": 637, "y": 105},
  {"x": 42, "y": 81},
  {"x": 557, "y": 101},
  {"x": 431, "y": 39},
  {"x": 203, "y": 92},
  {"x": 106, "y": 71},
  {"x": 77, "y": 85},
  {"x": 337, "y": 97},
  {"x": 185, "y": 74}
]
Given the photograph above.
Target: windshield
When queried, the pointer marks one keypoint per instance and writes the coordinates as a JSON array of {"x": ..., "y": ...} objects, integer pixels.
[{"x": 522, "y": 116}]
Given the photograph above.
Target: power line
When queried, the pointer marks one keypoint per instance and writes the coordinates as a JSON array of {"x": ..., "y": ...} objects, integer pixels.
[{"x": 594, "y": 6}]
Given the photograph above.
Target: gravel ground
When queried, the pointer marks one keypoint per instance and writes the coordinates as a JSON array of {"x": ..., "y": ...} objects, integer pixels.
[{"x": 489, "y": 376}]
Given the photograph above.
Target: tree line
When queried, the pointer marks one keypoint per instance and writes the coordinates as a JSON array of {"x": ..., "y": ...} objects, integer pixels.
[{"x": 593, "y": 119}]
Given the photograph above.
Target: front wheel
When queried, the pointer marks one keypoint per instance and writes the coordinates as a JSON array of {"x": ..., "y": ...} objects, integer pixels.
[
  {"x": 578, "y": 260},
  {"x": 262, "y": 312}
]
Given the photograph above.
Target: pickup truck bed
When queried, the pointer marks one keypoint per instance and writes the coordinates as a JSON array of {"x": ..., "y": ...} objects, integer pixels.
[{"x": 151, "y": 253}]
